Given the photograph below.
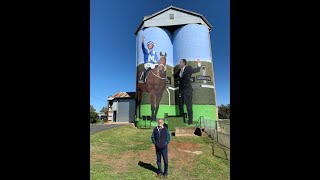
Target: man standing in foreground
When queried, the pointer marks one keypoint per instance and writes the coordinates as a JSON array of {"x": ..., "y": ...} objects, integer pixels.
[{"x": 160, "y": 138}]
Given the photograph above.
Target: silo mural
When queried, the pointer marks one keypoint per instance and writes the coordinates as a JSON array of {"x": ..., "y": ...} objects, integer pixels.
[
  {"x": 192, "y": 43},
  {"x": 174, "y": 69},
  {"x": 154, "y": 73}
]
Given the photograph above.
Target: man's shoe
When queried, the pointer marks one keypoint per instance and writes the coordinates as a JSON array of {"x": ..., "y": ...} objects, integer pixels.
[
  {"x": 159, "y": 175},
  {"x": 165, "y": 176}
]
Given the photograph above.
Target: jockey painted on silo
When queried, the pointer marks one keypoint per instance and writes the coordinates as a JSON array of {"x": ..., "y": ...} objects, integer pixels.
[{"x": 150, "y": 58}]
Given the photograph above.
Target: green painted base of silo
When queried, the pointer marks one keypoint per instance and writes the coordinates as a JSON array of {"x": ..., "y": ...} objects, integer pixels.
[
  {"x": 172, "y": 110},
  {"x": 172, "y": 122},
  {"x": 207, "y": 111}
]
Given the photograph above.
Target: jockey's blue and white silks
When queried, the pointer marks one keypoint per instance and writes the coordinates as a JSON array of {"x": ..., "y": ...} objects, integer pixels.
[{"x": 150, "y": 56}]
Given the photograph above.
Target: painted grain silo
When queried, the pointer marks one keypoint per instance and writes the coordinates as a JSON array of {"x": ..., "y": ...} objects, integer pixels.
[
  {"x": 180, "y": 95},
  {"x": 154, "y": 44}
]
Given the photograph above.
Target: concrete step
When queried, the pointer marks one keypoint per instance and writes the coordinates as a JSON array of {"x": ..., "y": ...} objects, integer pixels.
[{"x": 187, "y": 131}]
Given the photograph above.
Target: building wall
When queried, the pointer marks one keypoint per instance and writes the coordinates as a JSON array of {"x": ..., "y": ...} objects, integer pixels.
[
  {"x": 132, "y": 108},
  {"x": 125, "y": 110},
  {"x": 115, "y": 105},
  {"x": 110, "y": 114}
]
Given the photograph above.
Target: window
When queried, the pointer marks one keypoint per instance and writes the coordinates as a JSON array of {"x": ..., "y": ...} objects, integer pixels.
[{"x": 171, "y": 16}]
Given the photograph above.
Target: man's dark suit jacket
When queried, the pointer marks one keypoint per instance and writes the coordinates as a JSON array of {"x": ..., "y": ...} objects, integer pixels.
[{"x": 185, "y": 84}]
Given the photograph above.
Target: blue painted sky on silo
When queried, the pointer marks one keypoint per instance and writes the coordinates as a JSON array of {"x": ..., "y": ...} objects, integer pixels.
[
  {"x": 191, "y": 42},
  {"x": 162, "y": 42}
]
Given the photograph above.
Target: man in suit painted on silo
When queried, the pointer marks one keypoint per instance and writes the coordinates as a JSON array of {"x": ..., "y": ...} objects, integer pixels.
[
  {"x": 185, "y": 88},
  {"x": 150, "y": 58}
]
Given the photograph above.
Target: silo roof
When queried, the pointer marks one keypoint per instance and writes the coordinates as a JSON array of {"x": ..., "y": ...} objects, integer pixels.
[
  {"x": 122, "y": 95},
  {"x": 145, "y": 18}
]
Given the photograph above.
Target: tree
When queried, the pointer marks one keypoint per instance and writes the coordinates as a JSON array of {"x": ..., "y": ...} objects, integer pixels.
[
  {"x": 92, "y": 109},
  {"x": 104, "y": 109},
  {"x": 93, "y": 115},
  {"x": 224, "y": 111}
]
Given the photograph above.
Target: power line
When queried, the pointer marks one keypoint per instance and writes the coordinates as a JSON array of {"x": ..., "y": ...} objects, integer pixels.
[{"x": 99, "y": 99}]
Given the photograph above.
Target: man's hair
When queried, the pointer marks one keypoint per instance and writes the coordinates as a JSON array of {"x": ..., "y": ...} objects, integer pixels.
[{"x": 184, "y": 61}]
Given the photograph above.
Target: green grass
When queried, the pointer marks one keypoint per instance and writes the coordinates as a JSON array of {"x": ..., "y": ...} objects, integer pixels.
[{"x": 115, "y": 154}]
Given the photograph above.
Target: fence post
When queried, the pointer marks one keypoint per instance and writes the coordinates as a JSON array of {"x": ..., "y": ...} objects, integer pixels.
[
  {"x": 216, "y": 130},
  {"x": 211, "y": 128},
  {"x": 225, "y": 134}
]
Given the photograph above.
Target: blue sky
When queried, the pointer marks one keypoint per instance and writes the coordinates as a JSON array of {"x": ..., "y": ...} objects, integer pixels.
[{"x": 113, "y": 43}]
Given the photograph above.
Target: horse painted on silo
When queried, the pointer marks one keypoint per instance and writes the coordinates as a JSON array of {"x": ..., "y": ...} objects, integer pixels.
[{"x": 155, "y": 84}]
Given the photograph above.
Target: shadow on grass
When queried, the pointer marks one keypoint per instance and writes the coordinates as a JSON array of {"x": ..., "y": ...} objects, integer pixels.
[
  {"x": 214, "y": 145},
  {"x": 148, "y": 166}
]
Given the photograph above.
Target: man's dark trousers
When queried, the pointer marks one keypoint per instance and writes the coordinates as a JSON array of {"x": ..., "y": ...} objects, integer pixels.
[
  {"x": 185, "y": 90},
  {"x": 164, "y": 153},
  {"x": 187, "y": 98}
]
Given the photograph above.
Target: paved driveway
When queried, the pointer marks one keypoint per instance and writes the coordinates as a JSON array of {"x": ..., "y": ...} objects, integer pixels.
[{"x": 94, "y": 128}]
